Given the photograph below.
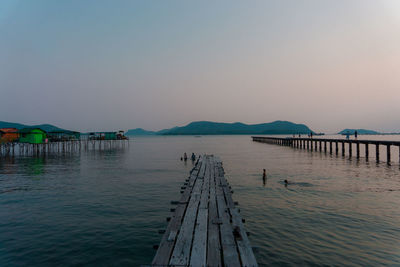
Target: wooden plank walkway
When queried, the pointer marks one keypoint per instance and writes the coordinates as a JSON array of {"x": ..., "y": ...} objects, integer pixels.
[{"x": 206, "y": 228}]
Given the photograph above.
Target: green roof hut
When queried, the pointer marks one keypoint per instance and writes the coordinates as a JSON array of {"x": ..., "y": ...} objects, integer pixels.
[
  {"x": 32, "y": 135},
  {"x": 110, "y": 135}
]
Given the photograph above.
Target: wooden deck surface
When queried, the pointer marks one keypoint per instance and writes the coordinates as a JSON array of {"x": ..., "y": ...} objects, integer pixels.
[{"x": 206, "y": 228}]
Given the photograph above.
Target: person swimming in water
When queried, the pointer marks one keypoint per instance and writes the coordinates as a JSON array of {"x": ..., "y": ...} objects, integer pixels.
[{"x": 286, "y": 182}]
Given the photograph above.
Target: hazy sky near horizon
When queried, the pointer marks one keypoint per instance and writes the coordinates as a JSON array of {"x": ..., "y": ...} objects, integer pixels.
[{"x": 103, "y": 65}]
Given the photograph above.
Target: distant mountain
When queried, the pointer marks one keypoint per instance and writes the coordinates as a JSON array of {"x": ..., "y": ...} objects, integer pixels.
[
  {"x": 359, "y": 131},
  {"x": 214, "y": 128},
  {"x": 209, "y": 128},
  {"x": 44, "y": 127},
  {"x": 139, "y": 131}
]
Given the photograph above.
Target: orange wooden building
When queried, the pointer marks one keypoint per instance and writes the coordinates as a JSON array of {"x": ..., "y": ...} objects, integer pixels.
[{"x": 8, "y": 135}]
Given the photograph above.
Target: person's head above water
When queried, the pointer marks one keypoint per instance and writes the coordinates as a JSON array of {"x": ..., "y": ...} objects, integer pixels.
[{"x": 286, "y": 181}]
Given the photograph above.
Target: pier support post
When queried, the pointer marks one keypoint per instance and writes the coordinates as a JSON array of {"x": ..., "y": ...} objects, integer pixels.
[
  {"x": 350, "y": 149},
  {"x": 330, "y": 147},
  {"x": 343, "y": 149},
  {"x": 358, "y": 149},
  {"x": 388, "y": 154},
  {"x": 366, "y": 151},
  {"x": 377, "y": 152},
  {"x": 336, "y": 147},
  {"x": 325, "y": 146}
]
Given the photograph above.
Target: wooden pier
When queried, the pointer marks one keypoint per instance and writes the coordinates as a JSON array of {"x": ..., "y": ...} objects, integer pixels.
[
  {"x": 25, "y": 149},
  {"x": 320, "y": 144},
  {"x": 206, "y": 228}
]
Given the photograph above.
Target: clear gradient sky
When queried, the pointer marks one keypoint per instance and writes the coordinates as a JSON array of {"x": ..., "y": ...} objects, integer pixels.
[{"x": 103, "y": 65}]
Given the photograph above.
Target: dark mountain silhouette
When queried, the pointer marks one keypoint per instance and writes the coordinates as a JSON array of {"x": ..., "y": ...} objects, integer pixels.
[
  {"x": 215, "y": 128},
  {"x": 44, "y": 127}
]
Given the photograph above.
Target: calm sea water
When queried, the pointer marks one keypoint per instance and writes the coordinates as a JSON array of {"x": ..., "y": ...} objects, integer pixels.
[{"x": 105, "y": 208}]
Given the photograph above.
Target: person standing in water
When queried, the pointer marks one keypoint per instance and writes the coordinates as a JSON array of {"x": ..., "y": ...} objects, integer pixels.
[
  {"x": 185, "y": 156},
  {"x": 193, "y": 157},
  {"x": 264, "y": 177}
]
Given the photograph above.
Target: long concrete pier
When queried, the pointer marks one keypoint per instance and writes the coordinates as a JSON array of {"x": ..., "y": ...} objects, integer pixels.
[
  {"x": 321, "y": 144},
  {"x": 206, "y": 228}
]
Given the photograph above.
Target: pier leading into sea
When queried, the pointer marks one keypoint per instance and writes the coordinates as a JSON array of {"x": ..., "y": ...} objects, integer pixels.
[
  {"x": 335, "y": 146},
  {"x": 206, "y": 228}
]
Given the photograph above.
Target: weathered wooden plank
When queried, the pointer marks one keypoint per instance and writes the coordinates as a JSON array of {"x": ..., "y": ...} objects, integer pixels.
[
  {"x": 167, "y": 243},
  {"x": 245, "y": 251},
  {"x": 229, "y": 250},
  {"x": 199, "y": 247},
  {"x": 213, "y": 244},
  {"x": 181, "y": 252}
]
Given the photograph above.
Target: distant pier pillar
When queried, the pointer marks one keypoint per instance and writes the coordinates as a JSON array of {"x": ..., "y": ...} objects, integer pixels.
[
  {"x": 377, "y": 152},
  {"x": 343, "y": 149},
  {"x": 330, "y": 147},
  {"x": 366, "y": 151},
  {"x": 336, "y": 147},
  {"x": 388, "y": 154},
  {"x": 358, "y": 149},
  {"x": 350, "y": 149}
]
